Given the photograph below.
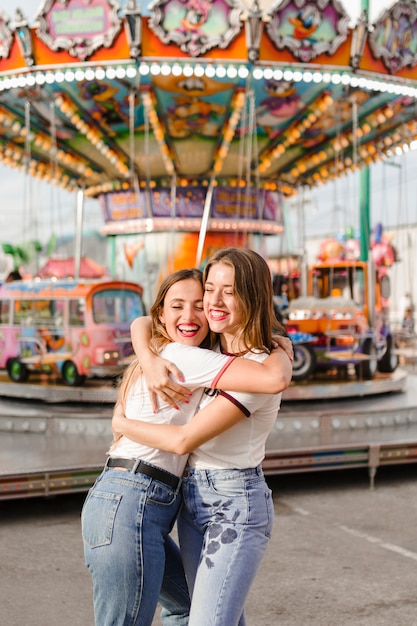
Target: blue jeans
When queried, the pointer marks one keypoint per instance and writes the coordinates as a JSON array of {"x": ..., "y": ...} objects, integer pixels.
[
  {"x": 224, "y": 529},
  {"x": 126, "y": 519}
]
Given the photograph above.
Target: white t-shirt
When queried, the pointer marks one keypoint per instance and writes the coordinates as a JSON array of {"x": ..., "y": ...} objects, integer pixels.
[
  {"x": 201, "y": 368},
  {"x": 243, "y": 445}
]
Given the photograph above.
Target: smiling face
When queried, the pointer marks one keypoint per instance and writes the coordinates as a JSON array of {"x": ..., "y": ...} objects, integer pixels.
[
  {"x": 221, "y": 305},
  {"x": 182, "y": 313}
]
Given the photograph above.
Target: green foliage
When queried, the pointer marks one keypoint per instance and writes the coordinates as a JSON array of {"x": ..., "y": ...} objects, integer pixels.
[{"x": 23, "y": 253}]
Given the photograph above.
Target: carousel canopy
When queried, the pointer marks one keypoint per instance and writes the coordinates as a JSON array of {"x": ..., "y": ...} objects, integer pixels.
[{"x": 197, "y": 93}]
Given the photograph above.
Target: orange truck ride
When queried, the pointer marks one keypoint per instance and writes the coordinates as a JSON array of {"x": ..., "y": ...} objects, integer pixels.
[{"x": 343, "y": 320}]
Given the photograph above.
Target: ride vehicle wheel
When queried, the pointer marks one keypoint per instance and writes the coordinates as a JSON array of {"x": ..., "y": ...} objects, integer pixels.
[
  {"x": 304, "y": 361},
  {"x": 17, "y": 371},
  {"x": 389, "y": 361},
  {"x": 70, "y": 374},
  {"x": 368, "y": 368}
]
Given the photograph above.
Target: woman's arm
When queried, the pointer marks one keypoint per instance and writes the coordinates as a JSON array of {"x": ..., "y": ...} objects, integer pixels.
[
  {"x": 156, "y": 369},
  {"x": 273, "y": 375},
  {"x": 218, "y": 416}
]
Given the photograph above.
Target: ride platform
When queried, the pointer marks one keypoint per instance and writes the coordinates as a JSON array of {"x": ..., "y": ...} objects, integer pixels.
[{"x": 57, "y": 443}]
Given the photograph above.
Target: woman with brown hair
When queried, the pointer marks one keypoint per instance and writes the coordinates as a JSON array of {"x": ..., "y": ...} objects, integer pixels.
[{"x": 226, "y": 519}]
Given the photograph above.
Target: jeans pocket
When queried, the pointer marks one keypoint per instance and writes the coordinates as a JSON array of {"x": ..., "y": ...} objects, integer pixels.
[
  {"x": 158, "y": 493},
  {"x": 227, "y": 488},
  {"x": 97, "y": 518}
]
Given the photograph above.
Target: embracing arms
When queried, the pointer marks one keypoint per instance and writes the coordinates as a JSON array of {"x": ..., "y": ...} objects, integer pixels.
[
  {"x": 273, "y": 375},
  {"x": 217, "y": 417}
]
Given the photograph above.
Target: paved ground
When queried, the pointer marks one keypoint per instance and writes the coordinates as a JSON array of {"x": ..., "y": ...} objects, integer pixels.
[{"x": 341, "y": 555}]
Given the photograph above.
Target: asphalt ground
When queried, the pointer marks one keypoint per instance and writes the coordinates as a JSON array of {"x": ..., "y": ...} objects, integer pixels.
[{"x": 341, "y": 554}]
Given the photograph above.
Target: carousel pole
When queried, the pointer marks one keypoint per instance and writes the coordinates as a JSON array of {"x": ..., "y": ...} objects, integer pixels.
[
  {"x": 365, "y": 225},
  {"x": 78, "y": 233},
  {"x": 364, "y": 190},
  {"x": 204, "y": 222},
  {"x": 253, "y": 28}
]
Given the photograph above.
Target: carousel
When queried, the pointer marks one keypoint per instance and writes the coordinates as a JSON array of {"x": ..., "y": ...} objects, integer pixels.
[{"x": 192, "y": 123}]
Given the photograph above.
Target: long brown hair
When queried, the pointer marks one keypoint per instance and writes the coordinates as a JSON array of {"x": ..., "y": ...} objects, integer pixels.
[{"x": 254, "y": 293}]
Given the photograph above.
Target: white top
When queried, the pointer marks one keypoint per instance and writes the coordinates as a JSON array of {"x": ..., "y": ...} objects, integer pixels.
[
  {"x": 243, "y": 445},
  {"x": 201, "y": 368}
]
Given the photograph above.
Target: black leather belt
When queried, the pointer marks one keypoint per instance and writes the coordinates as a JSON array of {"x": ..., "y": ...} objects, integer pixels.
[{"x": 138, "y": 466}]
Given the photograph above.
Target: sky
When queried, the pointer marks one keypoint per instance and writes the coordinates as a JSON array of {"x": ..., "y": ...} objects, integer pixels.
[{"x": 32, "y": 210}]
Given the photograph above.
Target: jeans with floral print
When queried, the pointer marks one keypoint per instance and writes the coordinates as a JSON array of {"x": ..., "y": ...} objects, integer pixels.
[{"x": 224, "y": 529}]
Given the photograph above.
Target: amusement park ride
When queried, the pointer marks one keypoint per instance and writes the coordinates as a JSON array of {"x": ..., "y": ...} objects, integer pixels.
[{"x": 191, "y": 122}]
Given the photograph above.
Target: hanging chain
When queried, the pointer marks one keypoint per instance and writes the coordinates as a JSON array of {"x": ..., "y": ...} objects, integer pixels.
[
  {"x": 27, "y": 217},
  {"x": 53, "y": 160}
]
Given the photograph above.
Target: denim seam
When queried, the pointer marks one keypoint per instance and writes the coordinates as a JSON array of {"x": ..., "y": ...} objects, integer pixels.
[{"x": 139, "y": 553}]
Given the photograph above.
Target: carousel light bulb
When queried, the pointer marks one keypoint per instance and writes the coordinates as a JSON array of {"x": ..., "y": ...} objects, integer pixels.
[{"x": 144, "y": 69}]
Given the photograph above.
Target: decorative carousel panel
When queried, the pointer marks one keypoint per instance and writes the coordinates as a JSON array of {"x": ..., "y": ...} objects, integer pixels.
[
  {"x": 232, "y": 209},
  {"x": 394, "y": 36},
  {"x": 196, "y": 26},
  {"x": 79, "y": 26},
  {"x": 6, "y": 37},
  {"x": 308, "y": 29},
  {"x": 193, "y": 111}
]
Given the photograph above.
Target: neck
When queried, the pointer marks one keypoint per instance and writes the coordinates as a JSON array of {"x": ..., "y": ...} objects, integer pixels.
[{"x": 231, "y": 344}]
